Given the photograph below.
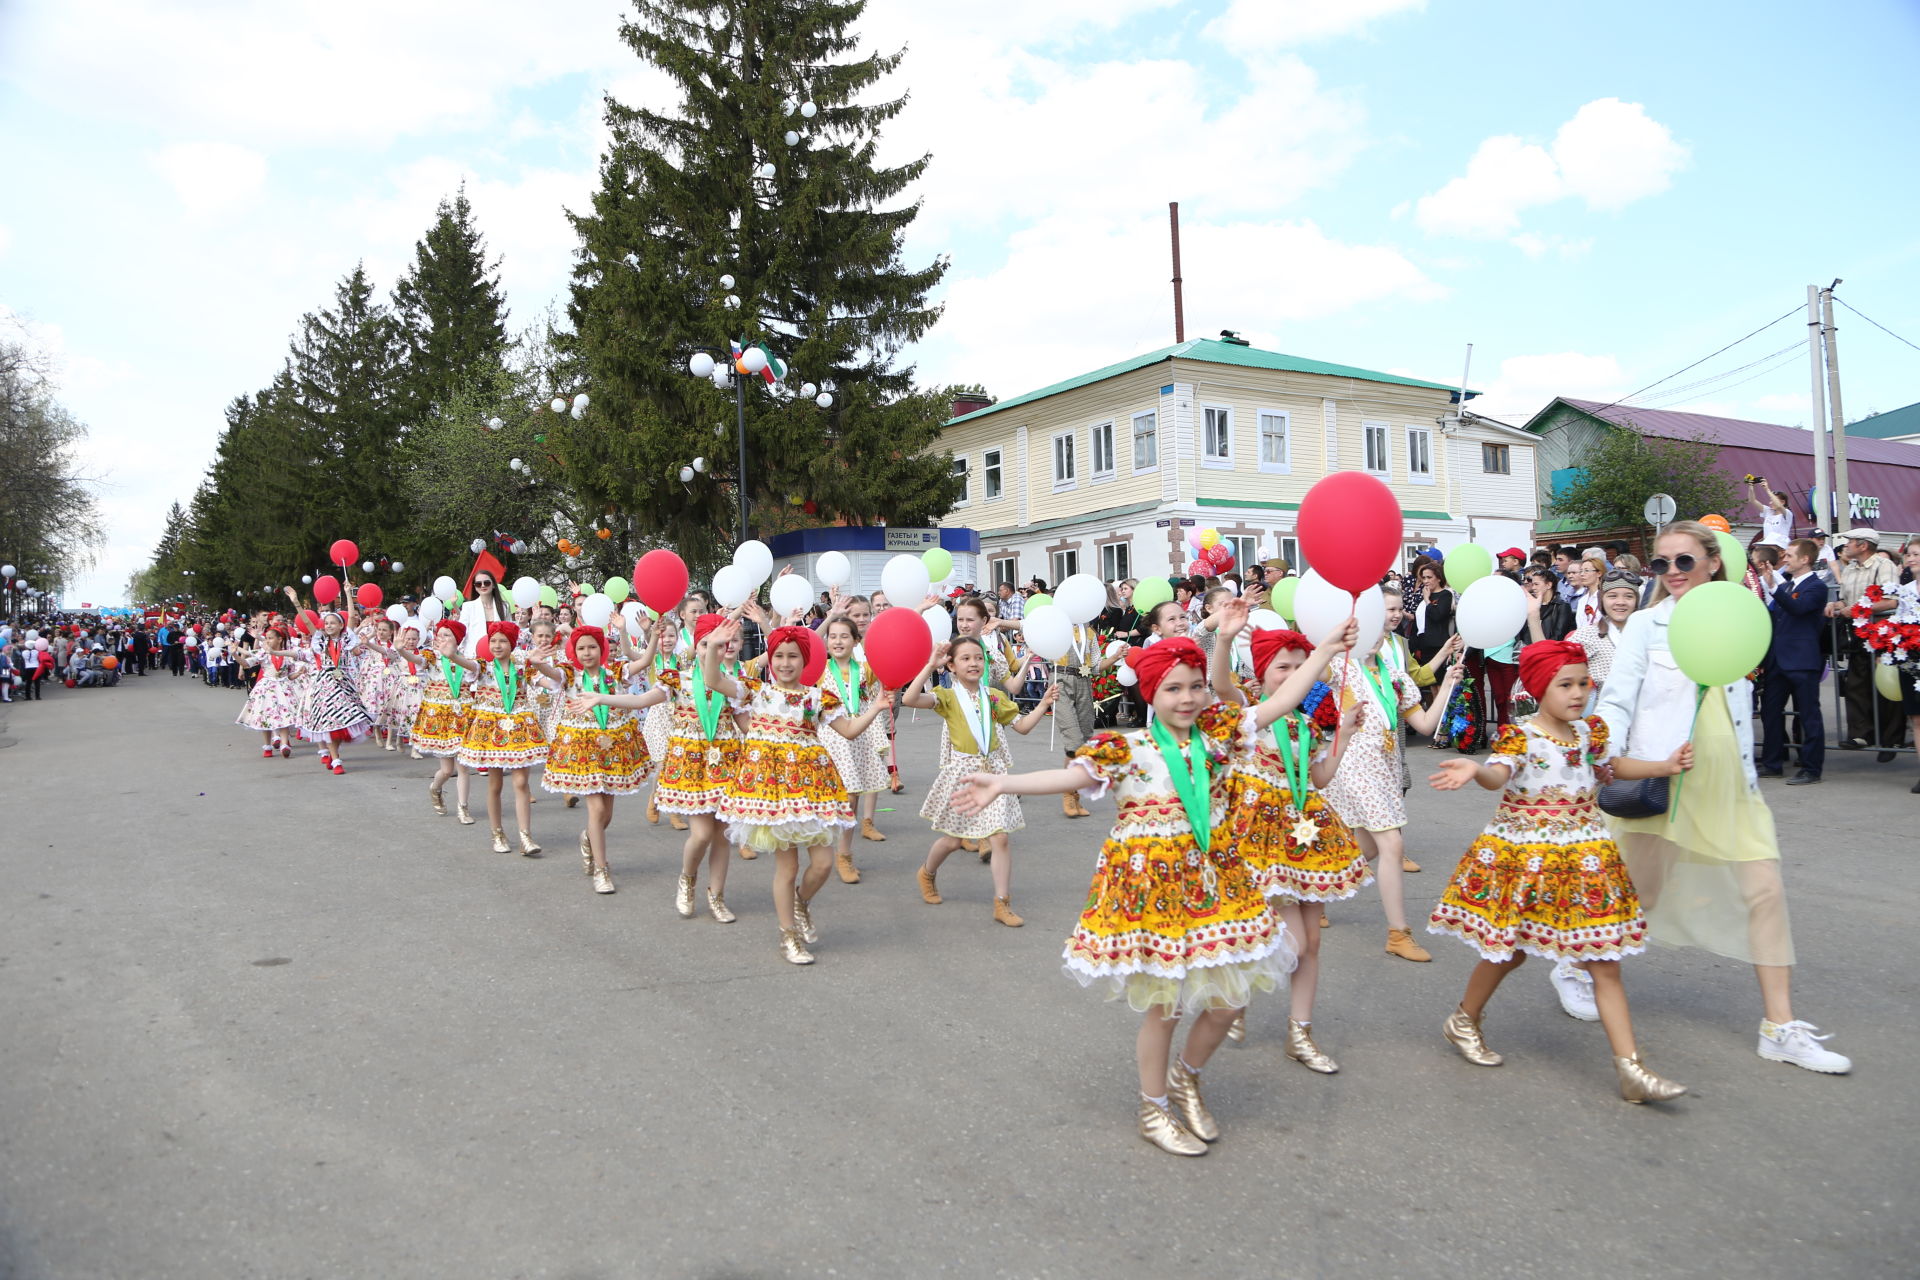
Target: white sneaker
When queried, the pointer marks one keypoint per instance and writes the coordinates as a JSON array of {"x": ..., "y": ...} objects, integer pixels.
[
  {"x": 1798, "y": 1043},
  {"x": 1575, "y": 989}
]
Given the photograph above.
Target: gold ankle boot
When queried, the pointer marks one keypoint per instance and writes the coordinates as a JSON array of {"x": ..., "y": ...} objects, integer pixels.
[
  {"x": 466, "y": 818},
  {"x": 1183, "y": 1090},
  {"x": 793, "y": 949},
  {"x": 602, "y": 880},
  {"x": 843, "y": 863},
  {"x": 500, "y": 844},
  {"x": 929, "y": 894},
  {"x": 1400, "y": 943},
  {"x": 683, "y": 897},
  {"x": 1637, "y": 1084},
  {"x": 1463, "y": 1033},
  {"x": 528, "y": 849},
  {"x": 586, "y": 852},
  {"x": 870, "y": 832},
  {"x": 803, "y": 921},
  {"x": 653, "y": 810},
  {"x": 1158, "y": 1126},
  {"x": 1003, "y": 913},
  {"x": 1237, "y": 1033},
  {"x": 718, "y": 905},
  {"x": 1302, "y": 1049},
  {"x": 677, "y": 822},
  {"x": 439, "y": 801}
]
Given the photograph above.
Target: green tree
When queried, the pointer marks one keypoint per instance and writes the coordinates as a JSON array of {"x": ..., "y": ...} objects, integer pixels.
[
  {"x": 49, "y": 520},
  {"x": 1626, "y": 468},
  {"x": 810, "y": 233},
  {"x": 450, "y": 306}
]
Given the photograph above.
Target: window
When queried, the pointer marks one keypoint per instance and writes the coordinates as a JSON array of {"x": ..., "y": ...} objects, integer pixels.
[
  {"x": 1374, "y": 436},
  {"x": 1101, "y": 447},
  {"x": 1005, "y": 569},
  {"x": 1218, "y": 436},
  {"x": 1063, "y": 463},
  {"x": 1290, "y": 552},
  {"x": 1065, "y": 565},
  {"x": 960, "y": 474},
  {"x": 1420, "y": 454},
  {"x": 1146, "y": 441},
  {"x": 1116, "y": 562},
  {"x": 1495, "y": 460},
  {"x": 990, "y": 465},
  {"x": 1276, "y": 451},
  {"x": 1246, "y": 551}
]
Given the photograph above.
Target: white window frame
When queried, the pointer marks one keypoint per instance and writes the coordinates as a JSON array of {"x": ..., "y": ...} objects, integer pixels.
[
  {"x": 1505, "y": 455},
  {"x": 1246, "y": 551},
  {"x": 965, "y": 477},
  {"x": 1002, "y": 569},
  {"x": 1153, "y": 464},
  {"x": 1071, "y": 481},
  {"x": 1425, "y": 436},
  {"x": 1208, "y": 458},
  {"x": 992, "y": 475},
  {"x": 1290, "y": 552},
  {"x": 1370, "y": 430},
  {"x": 1095, "y": 470},
  {"x": 1063, "y": 565},
  {"x": 1285, "y": 466},
  {"x": 1116, "y": 561}
]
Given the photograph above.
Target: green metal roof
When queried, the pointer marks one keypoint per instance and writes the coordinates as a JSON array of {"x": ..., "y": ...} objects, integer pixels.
[
  {"x": 1885, "y": 426},
  {"x": 1210, "y": 351}
]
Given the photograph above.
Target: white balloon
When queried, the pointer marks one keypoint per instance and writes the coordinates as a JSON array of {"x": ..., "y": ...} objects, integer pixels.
[
  {"x": 6, "y": 571},
  {"x": 398, "y": 613},
  {"x": 905, "y": 581},
  {"x": 701, "y": 365},
  {"x": 445, "y": 587},
  {"x": 1266, "y": 620},
  {"x": 1048, "y": 631},
  {"x": 596, "y": 609},
  {"x": 634, "y": 612},
  {"x": 526, "y": 593},
  {"x": 793, "y": 139},
  {"x": 700, "y": 465},
  {"x": 1127, "y": 676},
  {"x": 726, "y": 282},
  {"x": 809, "y": 110},
  {"x": 307, "y": 578},
  {"x": 366, "y": 566},
  {"x": 513, "y": 464},
  {"x": 833, "y": 569},
  {"x": 477, "y": 545},
  {"x": 766, "y": 171},
  {"x": 824, "y": 400},
  {"x": 1321, "y": 608},
  {"x": 1117, "y": 648},
  {"x": 731, "y": 586},
  {"x": 398, "y": 567},
  {"x": 686, "y": 475},
  {"x": 790, "y": 593},
  {"x": 431, "y": 611},
  {"x": 494, "y": 424},
  {"x": 756, "y": 558},
  {"x": 938, "y": 622},
  {"x": 558, "y": 405},
  {"x": 580, "y": 402},
  {"x": 754, "y": 359},
  {"x": 809, "y": 390},
  {"x": 1083, "y": 596},
  {"x": 579, "y": 412},
  {"x": 1491, "y": 612},
  {"x": 721, "y": 378}
]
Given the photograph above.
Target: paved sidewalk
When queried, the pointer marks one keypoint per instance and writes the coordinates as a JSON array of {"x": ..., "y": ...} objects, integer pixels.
[{"x": 256, "y": 1020}]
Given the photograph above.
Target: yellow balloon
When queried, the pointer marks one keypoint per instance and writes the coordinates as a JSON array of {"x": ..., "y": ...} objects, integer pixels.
[
  {"x": 1209, "y": 539},
  {"x": 1886, "y": 678}
]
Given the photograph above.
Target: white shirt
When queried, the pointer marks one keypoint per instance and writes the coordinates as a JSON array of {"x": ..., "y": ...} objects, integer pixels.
[
  {"x": 1648, "y": 702},
  {"x": 1776, "y": 527}
]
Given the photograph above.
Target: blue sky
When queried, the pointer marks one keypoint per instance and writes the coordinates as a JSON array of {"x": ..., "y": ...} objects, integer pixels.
[{"x": 1594, "y": 196}]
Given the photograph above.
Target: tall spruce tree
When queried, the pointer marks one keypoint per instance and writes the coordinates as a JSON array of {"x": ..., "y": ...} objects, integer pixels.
[
  {"x": 814, "y": 251},
  {"x": 450, "y": 306}
]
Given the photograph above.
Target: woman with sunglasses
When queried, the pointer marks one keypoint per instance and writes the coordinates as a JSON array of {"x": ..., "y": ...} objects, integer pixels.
[
  {"x": 1707, "y": 871},
  {"x": 487, "y": 605}
]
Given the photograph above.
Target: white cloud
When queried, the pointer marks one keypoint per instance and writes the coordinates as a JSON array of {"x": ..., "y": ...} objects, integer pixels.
[
  {"x": 1535, "y": 245},
  {"x": 1274, "y": 24},
  {"x": 1526, "y": 384},
  {"x": 211, "y": 177},
  {"x": 1610, "y": 154}
]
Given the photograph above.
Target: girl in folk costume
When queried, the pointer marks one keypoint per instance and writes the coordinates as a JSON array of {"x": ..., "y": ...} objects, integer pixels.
[
  {"x": 702, "y": 753},
  {"x": 1299, "y": 852},
  {"x": 1545, "y": 877},
  {"x": 974, "y": 718},
  {"x": 673, "y": 647},
  {"x": 273, "y": 706},
  {"x": 440, "y": 725},
  {"x": 503, "y": 731},
  {"x": 1073, "y": 678},
  {"x": 333, "y": 714},
  {"x": 972, "y": 618},
  {"x": 1174, "y": 923},
  {"x": 785, "y": 793},
  {"x": 370, "y": 672},
  {"x": 597, "y": 750},
  {"x": 544, "y": 635},
  {"x": 1365, "y": 788},
  {"x": 862, "y": 761},
  {"x": 403, "y": 688}
]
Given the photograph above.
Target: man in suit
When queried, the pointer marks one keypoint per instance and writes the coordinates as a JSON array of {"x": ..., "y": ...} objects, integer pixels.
[{"x": 1793, "y": 668}]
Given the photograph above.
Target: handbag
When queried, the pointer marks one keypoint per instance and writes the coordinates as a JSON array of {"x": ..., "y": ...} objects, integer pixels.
[{"x": 1640, "y": 798}]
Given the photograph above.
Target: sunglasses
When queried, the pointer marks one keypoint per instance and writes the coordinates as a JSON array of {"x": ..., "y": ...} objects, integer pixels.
[
  {"x": 1680, "y": 564},
  {"x": 483, "y": 582}
]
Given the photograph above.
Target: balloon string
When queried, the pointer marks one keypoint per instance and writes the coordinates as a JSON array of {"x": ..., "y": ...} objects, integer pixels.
[{"x": 1340, "y": 719}]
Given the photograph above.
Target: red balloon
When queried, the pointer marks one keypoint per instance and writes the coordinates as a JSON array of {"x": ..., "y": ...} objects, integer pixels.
[
  {"x": 815, "y": 652},
  {"x": 369, "y": 595},
  {"x": 1219, "y": 554},
  {"x": 1350, "y": 530},
  {"x": 308, "y": 621},
  {"x": 344, "y": 552},
  {"x": 1198, "y": 568},
  {"x": 898, "y": 646},
  {"x": 326, "y": 590},
  {"x": 660, "y": 580}
]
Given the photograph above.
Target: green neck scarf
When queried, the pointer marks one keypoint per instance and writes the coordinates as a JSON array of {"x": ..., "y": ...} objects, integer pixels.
[
  {"x": 849, "y": 696},
  {"x": 595, "y": 681},
  {"x": 1381, "y": 683},
  {"x": 1190, "y": 781},
  {"x": 452, "y": 674},
  {"x": 706, "y": 703},
  {"x": 1296, "y": 747},
  {"x": 509, "y": 681}
]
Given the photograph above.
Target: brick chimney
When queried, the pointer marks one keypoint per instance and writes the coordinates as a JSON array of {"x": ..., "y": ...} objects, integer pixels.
[{"x": 967, "y": 402}]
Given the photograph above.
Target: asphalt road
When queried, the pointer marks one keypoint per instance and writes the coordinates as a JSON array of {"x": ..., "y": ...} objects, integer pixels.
[{"x": 257, "y": 1020}]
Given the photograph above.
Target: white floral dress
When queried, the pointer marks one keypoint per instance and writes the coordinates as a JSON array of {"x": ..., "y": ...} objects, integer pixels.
[{"x": 1365, "y": 790}]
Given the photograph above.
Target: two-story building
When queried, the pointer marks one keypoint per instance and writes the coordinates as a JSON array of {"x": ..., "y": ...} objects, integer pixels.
[{"x": 1108, "y": 471}]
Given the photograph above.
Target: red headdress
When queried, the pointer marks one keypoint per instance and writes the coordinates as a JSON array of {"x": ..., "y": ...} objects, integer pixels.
[
  {"x": 1542, "y": 660},
  {"x": 1268, "y": 643},
  {"x": 1152, "y": 663},
  {"x": 454, "y": 625},
  {"x": 812, "y": 652},
  {"x": 511, "y": 630},
  {"x": 704, "y": 624},
  {"x": 592, "y": 633}
]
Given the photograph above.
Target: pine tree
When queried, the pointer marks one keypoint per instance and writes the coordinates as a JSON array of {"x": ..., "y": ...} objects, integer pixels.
[
  {"x": 814, "y": 251},
  {"x": 450, "y": 306}
]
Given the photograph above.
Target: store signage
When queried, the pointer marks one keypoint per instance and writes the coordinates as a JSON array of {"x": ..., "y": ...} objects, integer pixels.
[
  {"x": 912, "y": 539},
  {"x": 1861, "y": 506}
]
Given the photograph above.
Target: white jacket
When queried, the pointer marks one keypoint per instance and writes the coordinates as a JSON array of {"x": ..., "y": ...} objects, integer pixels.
[
  {"x": 1648, "y": 702},
  {"x": 474, "y": 619}
]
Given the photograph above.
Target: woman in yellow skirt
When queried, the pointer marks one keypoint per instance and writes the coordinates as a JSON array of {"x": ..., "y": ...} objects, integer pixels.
[
  {"x": 503, "y": 732},
  {"x": 597, "y": 750},
  {"x": 703, "y": 750},
  {"x": 440, "y": 725}
]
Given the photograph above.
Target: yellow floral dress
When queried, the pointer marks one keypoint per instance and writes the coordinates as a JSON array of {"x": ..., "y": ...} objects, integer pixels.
[
  {"x": 587, "y": 758},
  {"x": 1545, "y": 876},
  {"x": 497, "y": 738},
  {"x": 786, "y": 789},
  {"x": 697, "y": 771},
  {"x": 1168, "y": 925},
  {"x": 1299, "y": 852},
  {"x": 440, "y": 725}
]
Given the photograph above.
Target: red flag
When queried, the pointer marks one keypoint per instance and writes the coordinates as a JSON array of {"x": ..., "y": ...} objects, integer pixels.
[{"x": 485, "y": 561}]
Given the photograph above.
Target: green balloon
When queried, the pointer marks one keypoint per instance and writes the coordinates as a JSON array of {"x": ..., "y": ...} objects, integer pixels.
[
  {"x": 1719, "y": 633},
  {"x": 617, "y": 589},
  {"x": 1150, "y": 593},
  {"x": 1280, "y": 597},
  {"x": 1038, "y": 601},
  {"x": 939, "y": 563},
  {"x": 1466, "y": 564},
  {"x": 549, "y": 597},
  {"x": 1733, "y": 556}
]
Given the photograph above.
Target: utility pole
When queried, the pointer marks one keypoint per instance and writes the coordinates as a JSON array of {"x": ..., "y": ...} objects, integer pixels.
[
  {"x": 1179, "y": 308},
  {"x": 1822, "y": 494},
  {"x": 1840, "y": 487}
]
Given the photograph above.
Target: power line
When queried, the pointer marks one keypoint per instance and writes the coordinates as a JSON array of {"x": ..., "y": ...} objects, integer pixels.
[
  {"x": 1781, "y": 360},
  {"x": 1870, "y": 320},
  {"x": 1795, "y": 346},
  {"x": 1794, "y": 310}
]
